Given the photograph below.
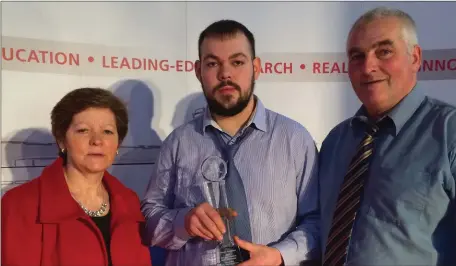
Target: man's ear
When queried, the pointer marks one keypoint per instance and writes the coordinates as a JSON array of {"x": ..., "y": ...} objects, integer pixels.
[
  {"x": 416, "y": 55},
  {"x": 256, "y": 67},
  {"x": 198, "y": 70}
]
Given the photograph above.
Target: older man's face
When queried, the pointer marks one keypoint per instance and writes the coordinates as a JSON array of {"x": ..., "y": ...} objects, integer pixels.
[{"x": 381, "y": 68}]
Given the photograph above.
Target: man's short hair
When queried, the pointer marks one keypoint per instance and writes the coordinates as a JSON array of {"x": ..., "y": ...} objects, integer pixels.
[
  {"x": 224, "y": 28},
  {"x": 409, "y": 33}
]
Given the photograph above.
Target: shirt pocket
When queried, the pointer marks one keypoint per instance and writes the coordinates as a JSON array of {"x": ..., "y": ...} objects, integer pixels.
[{"x": 398, "y": 196}]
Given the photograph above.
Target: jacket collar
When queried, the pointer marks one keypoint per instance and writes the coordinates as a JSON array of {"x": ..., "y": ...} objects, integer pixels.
[{"x": 57, "y": 205}]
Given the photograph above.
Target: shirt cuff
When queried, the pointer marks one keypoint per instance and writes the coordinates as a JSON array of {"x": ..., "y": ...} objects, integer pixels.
[
  {"x": 179, "y": 224},
  {"x": 288, "y": 250}
]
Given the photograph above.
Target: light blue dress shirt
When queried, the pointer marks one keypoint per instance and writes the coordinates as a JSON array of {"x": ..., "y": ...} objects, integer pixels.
[
  {"x": 278, "y": 165},
  {"x": 408, "y": 209}
]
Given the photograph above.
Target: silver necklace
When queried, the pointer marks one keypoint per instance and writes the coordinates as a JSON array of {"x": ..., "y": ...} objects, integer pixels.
[{"x": 96, "y": 213}]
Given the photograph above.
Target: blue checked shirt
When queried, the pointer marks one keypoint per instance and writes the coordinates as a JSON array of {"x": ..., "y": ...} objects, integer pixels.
[{"x": 278, "y": 166}]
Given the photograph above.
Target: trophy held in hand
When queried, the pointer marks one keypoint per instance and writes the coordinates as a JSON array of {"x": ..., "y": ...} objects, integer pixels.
[{"x": 214, "y": 170}]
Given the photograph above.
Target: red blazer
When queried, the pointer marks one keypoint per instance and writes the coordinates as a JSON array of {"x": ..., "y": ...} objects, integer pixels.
[{"x": 43, "y": 225}]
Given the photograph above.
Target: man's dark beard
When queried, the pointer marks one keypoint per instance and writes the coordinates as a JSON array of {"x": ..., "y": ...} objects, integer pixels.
[{"x": 218, "y": 109}]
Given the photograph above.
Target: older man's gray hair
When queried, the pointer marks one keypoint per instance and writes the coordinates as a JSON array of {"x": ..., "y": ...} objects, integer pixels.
[{"x": 409, "y": 34}]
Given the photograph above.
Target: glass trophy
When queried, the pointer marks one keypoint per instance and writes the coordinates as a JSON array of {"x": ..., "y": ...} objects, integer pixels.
[{"x": 214, "y": 170}]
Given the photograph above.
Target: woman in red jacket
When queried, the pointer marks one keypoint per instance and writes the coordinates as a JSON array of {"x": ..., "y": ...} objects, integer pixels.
[{"x": 76, "y": 213}]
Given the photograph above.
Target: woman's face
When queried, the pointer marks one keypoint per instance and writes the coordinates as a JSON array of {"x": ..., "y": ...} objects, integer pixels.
[{"x": 91, "y": 140}]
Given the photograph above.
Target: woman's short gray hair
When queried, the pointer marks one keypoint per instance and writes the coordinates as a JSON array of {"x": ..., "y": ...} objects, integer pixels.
[{"x": 409, "y": 33}]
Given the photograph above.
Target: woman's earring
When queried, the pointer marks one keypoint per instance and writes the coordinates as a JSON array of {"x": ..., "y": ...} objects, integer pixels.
[
  {"x": 117, "y": 152},
  {"x": 62, "y": 150}
]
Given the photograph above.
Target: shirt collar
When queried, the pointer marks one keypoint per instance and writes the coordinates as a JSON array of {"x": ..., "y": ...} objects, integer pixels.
[
  {"x": 400, "y": 113},
  {"x": 258, "y": 119}
]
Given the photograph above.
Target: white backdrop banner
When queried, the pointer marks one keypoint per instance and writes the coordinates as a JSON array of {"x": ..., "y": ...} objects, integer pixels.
[{"x": 145, "y": 51}]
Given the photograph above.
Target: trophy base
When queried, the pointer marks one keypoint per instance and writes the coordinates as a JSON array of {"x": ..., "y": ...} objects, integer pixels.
[{"x": 231, "y": 256}]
